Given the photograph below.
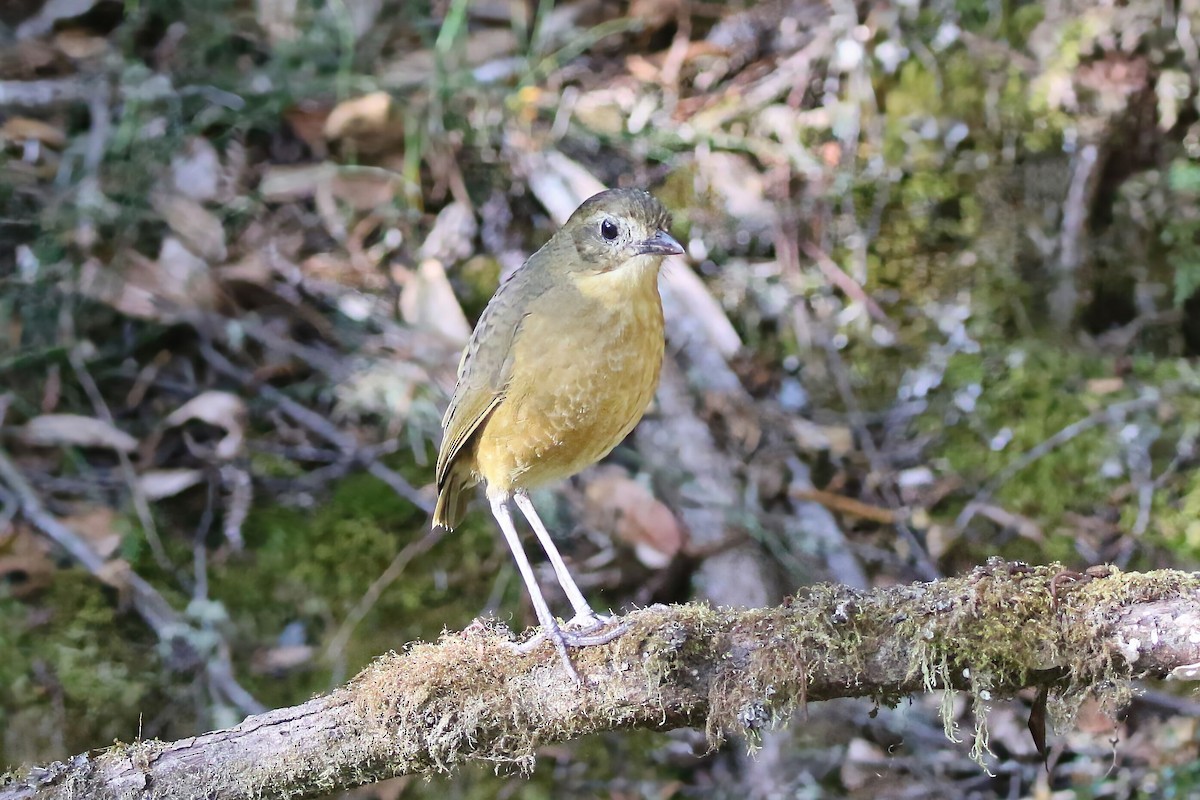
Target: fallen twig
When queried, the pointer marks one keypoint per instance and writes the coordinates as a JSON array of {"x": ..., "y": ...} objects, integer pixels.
[
  {"x": 838, "y": 277},
  {"x": 847, "y": 505}
]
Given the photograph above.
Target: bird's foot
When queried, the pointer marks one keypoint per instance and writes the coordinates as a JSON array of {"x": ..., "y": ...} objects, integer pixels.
[
  {"x": 589, "y": 621},
  {"x": 587, "y": 628},
  {"x": 584, "y": 635},
  {"x": 588, "y": 638}
]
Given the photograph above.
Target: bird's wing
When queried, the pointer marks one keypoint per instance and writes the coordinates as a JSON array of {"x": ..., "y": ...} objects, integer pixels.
[{"x": 485, "y": 368}]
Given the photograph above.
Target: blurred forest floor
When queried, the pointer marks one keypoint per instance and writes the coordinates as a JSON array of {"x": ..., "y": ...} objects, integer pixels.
[{"x": 941, "y": 302}]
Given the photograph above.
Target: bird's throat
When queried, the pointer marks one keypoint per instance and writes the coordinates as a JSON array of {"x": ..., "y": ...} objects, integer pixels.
[{"x": 635, "y": 280}]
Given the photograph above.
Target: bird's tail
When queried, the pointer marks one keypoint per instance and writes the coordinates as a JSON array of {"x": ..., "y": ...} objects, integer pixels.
[{"x": 452, "y": 499}]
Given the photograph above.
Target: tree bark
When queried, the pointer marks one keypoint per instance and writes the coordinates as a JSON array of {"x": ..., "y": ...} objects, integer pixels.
[{"x": 471, "y": 696}]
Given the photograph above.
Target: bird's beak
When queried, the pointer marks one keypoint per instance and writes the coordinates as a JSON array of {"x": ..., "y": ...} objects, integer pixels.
[{"x": 660, "y": 244}]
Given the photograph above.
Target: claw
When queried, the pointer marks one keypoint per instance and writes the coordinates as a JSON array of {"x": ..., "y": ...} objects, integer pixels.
[
  {"x": 589, "y": 621},
  {"x": 587, "y": 638},
  {"x": 565, "y": 639}
]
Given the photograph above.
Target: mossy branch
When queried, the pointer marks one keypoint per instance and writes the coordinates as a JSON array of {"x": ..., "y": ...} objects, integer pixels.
[{"x": 472, "y": 697}]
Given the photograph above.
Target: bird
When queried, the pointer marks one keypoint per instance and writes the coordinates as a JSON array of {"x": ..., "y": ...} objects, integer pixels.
[{"x": 560, "y": 367}]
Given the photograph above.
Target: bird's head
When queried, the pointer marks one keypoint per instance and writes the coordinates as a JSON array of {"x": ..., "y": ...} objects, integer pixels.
[{"x": 621, "y": 227}]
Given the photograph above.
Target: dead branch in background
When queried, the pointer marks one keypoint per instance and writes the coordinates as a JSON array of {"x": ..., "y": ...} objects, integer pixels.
[{"x": 471, "y": 697}]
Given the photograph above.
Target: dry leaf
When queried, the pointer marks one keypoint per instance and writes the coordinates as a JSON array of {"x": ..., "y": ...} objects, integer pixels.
[
  {"x": 24, "y": 129},
  {"x": 637, "y": 517},
  {"x": 605, "y": 110},
  {"x": 157, "y": 484},
  {"x": 428, "y": 303},
  {"x": 364, "y": 190},
  {"x": 26, "y": 565},
  {"x": 1103, "y": 386},
  {"x": 79, "y": 44},
  {"x": 487, "y": 44},
  {"x": 251, "y": 269},
  {"x": 334, "y": 268},
  {"x": 361, "y": 189},
  {"x": 96, "y": 526},
  {"x": 385, "y": 387},
  {"x": 861, "y": 765},
  {"x": 220, "y": 409},
  {"x": 559, "y": 183},
  {"x": 370, "y": 125},
  {"x": 198, "y": 227},
  {"x": 196, "y": 173},
  {"x": 115, "y": 572},
  {"x": 939, "y": 539},
  {"x": 51, "y": 430},
  {"x": 287, "y": 184},
  {"x": 811, "y": 437},
  {"x": 29, "y": 60},
  {"x": 278, "y": 19},
  {"x": 452, "y": 236},
  {"x": 282, "y": 659},
  {"x": 184, "y": 277},
  {"x": 148, "y": 289}
]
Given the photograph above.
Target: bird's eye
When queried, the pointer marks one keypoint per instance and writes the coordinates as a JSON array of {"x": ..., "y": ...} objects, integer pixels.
[{"x": 608, "y": 229}]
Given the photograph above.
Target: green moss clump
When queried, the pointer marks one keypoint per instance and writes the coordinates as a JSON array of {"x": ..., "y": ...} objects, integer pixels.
[
  {"x": 475, "y": 283},
  {"x": 1038, "y": 390},
  {"x": 314, "y": 567},
  {"x": 1181, "y": 233},
  {"x": 1177, "y": 517},
  {"x": 76, "y": 671},
  {"x": 1045, "y": 387},
  {"x": 1022, "y": 21}
]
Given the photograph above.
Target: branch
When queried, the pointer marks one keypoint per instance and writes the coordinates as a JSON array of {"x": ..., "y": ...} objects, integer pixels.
[{"x": 472, "y": 697}]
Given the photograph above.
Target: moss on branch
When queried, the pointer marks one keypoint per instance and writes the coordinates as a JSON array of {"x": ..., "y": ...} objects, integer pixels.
[{"x": 471, "y": 696}]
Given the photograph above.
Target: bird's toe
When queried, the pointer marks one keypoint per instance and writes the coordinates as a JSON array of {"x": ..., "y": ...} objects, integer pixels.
[
  {"x": 588, "y": 637},
  {"x": 589, "y": 621}
]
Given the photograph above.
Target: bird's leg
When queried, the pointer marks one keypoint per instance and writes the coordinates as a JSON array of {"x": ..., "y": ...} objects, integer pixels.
[
  {"x": 499, "y": 504},
  {"x": 583, "y": 611},
  {"x": 585, "y": 617}
]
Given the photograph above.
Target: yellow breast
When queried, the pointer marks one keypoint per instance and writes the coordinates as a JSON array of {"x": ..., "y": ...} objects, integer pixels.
[{"x": 585, "y": 367}]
